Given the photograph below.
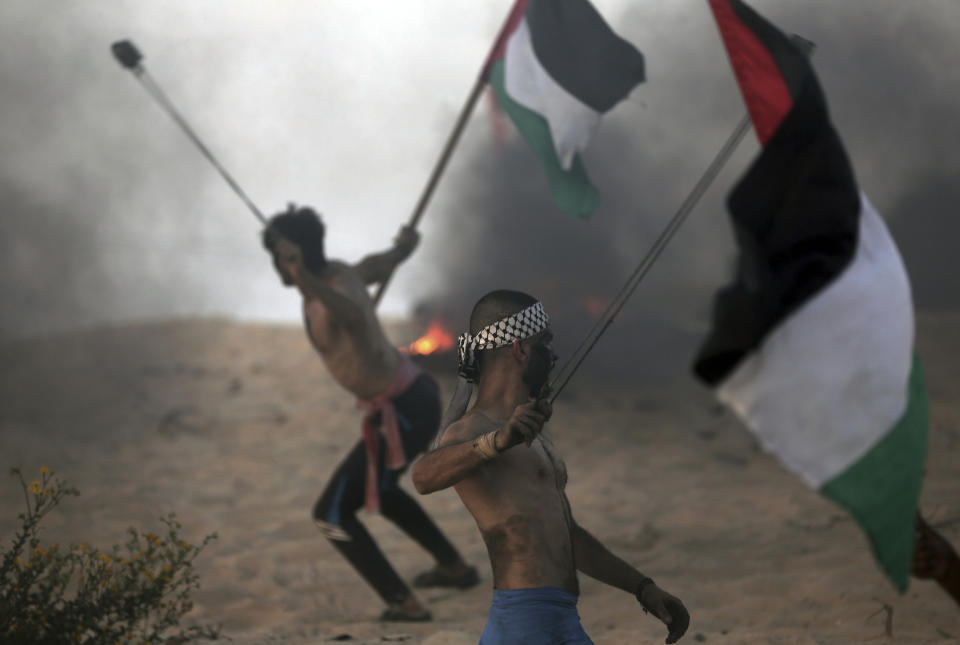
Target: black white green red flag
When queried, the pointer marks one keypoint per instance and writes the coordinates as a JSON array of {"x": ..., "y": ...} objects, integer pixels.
[
  {"x": 556, "y": 69},
  {"x": 812, "y": 343}
]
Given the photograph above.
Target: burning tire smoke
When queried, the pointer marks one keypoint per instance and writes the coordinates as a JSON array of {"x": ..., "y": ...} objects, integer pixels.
[
  {"x": 501, "y": 230},
  {"x": 102, "y": 224}
]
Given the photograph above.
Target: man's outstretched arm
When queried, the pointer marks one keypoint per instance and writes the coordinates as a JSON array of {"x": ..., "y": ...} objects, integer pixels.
[
  {"x": 446, "y": 466},
  {"x": 376, "y": 268},
  {"x": 598, "y": 562},
  {"x": 463, "y": 448}
]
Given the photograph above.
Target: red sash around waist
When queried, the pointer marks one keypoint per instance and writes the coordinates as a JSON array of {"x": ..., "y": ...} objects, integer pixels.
[{"x": 382, "y": 404}]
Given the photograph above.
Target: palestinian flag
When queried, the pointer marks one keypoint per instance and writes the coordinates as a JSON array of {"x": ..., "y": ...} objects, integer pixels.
[
  {"x": 812, "y": 344},
  {"x": 556, "y": 68}
]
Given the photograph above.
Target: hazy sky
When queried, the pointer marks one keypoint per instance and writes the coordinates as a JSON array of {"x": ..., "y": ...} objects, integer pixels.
[{"x": 111, "y": 215}]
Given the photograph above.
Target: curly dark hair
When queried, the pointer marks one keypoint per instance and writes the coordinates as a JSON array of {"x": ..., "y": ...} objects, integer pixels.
[{"x": 303, "y": 227}]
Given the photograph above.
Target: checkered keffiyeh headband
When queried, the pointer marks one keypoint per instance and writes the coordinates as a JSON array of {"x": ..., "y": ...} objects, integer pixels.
[{"x": 524, "y": 324}]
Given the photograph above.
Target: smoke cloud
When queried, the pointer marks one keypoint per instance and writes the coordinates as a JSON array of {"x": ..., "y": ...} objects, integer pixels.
[
  {"x": 891, "y": 98},
  {"x": 109, "y": 215}
]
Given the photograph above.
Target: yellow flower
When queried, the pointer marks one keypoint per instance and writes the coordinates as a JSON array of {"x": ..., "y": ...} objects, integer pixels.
[
  {"x": 35, "y": 488},
  {"x": 44, "y": 470}
]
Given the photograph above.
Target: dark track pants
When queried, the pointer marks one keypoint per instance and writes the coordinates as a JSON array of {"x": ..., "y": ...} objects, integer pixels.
[{"x": 418, "y": 415}]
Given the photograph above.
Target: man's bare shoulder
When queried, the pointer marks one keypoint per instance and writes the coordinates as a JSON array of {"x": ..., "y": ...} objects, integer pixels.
[
  {"x": 356, "y": 271},
  {"x": 338, "y": 269},
  {"x": 468, "y": 428},
  {"x": 344, "y": 277}
]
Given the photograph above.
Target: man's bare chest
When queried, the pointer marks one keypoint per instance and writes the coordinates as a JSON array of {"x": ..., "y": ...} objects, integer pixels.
[
  {"x": 557, "y": 466},
  {"x": 539, "y": 465}
]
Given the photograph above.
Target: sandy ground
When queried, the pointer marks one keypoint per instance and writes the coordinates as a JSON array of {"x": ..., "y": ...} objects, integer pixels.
[{"x": 236, "y": 427}]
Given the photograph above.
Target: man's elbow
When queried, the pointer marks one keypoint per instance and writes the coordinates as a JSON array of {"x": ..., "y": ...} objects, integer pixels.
[{"x": 421, "y": 480}]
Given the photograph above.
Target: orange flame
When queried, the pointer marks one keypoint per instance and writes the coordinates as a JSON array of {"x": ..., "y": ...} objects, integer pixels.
[{"x": 436, "y": 339}]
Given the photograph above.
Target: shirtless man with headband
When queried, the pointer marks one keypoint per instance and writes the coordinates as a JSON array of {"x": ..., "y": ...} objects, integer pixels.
[
  {"x": 512, "y": 479},
  {"x": 402, "y": 404}
]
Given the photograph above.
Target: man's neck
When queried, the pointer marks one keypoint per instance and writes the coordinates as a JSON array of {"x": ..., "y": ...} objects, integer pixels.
[
  {"x": 500, "y": 393},
  {"x": 305, "y": 282}
]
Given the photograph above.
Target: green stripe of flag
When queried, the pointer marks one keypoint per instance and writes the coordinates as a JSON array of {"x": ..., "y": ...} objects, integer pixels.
[
  {"x": 882, "y": 488},
  {"x": 571, "y": 189}
]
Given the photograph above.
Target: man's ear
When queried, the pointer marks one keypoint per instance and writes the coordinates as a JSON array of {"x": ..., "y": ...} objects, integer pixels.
[{"x": 519, "y": 351}]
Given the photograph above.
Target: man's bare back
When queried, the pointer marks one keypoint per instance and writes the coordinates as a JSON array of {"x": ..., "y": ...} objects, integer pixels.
[{"x": 520, "y": 507}]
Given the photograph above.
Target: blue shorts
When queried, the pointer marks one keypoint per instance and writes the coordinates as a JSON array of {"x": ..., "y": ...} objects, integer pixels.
[{"x": 535, "y": 616}]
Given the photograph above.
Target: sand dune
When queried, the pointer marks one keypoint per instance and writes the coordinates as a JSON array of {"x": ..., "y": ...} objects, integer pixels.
[{"x": 235, "y": 428}]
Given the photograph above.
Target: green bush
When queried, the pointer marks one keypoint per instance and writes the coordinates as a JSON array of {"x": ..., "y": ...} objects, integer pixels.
[{"x": 54, "y": 594}]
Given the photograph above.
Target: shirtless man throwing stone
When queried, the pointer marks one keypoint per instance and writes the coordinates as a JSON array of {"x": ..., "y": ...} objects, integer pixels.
[
  {"x": 402, "y": 404},
  {"x": 512, "y": 480}
]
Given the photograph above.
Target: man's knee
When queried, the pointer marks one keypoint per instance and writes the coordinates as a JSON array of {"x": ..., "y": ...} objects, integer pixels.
[
  {"x": 332, "y": 531},
  {"x": 327, "y": 517}
]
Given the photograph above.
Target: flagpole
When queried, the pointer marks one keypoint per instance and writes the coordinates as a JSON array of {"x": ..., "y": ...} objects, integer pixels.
[
  {"x": 438, "y": 169},
  {"x": 516, "y": 11},
  {"x": 130, "y": 58},
  {"x": 633, "y": 281}
]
